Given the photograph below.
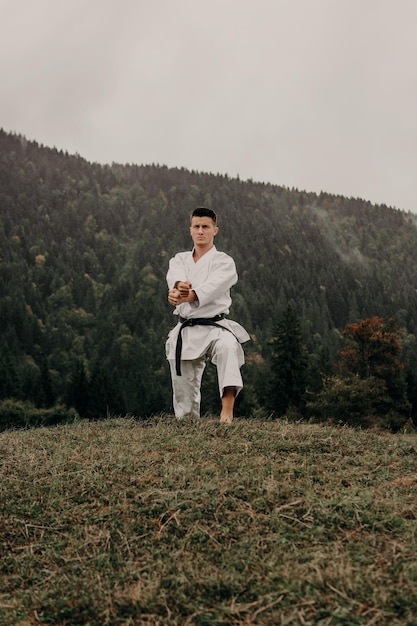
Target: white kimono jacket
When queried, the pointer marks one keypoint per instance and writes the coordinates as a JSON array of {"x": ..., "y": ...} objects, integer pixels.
[{"x": 211, "y": 278}]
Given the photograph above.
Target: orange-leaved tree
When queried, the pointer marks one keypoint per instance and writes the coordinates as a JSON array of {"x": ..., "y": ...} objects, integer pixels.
[
  {"x": 370, "y": 388},
  {"x": 372, "y": 348}
]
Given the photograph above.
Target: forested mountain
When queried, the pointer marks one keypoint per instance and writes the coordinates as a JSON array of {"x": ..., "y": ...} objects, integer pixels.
[{"x": 84, "y": 253}]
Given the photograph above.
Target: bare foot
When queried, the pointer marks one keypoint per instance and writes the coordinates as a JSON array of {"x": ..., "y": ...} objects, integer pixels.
[
  {"x": 228, "y": 401},
  {"x": 226, "y": 418}
]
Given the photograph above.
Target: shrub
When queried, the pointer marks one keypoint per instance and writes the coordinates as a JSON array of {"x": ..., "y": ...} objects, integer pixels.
[
  {"x": 356, "y": 401},
  {"x": 17, "y": 414}
]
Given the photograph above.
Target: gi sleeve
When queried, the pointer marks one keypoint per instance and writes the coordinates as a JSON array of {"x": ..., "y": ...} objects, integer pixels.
[
  {"x": 176, "y": 270},
  {"x": 221, "y": 277}
]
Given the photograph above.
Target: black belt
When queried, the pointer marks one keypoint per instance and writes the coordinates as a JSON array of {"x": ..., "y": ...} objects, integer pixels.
[{"x": 194, "y": 321}]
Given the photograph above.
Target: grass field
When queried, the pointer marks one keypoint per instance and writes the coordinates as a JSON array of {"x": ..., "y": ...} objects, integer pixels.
[{"x": 162, "y": 522}]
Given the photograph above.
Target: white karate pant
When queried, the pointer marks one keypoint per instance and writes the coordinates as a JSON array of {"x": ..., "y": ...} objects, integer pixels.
[{"x": 227, "y": 354}]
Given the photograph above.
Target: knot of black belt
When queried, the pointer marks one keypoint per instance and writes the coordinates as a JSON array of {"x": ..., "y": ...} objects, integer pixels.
[{"x": 194, "y": 321}]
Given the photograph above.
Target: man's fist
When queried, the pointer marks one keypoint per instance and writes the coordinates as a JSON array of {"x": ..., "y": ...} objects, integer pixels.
[
  {"x": 184, "y": 288},
  {"x": 182, "y": 292}
]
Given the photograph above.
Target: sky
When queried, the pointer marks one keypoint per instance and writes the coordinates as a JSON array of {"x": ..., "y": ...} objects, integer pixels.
[{"x": 317, "y": 95}]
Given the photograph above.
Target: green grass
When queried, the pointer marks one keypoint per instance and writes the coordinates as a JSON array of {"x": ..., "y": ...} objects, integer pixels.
[{"x": 193, "y": 523}]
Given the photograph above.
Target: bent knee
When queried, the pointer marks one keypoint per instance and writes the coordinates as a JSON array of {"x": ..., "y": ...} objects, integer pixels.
[{"x": 227, "y": 343}]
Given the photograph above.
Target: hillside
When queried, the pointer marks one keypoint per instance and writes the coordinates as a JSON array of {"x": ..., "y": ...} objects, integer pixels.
[
  {"x": 170, "y": 523},
  {"x": 84, "y": 252}
]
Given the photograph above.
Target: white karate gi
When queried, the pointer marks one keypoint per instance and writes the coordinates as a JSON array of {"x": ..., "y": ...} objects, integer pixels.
[{"x": 211, "y": 278}]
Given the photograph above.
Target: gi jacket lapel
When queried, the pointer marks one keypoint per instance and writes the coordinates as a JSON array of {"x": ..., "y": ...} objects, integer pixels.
[{"x": 199, "y": 270}]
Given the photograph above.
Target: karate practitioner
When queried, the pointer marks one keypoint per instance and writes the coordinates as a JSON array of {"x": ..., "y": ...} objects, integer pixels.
[{"x": 199, "y": 283}]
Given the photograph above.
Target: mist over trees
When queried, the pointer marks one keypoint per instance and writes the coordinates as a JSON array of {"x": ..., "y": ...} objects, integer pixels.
[{"x": 83, "y": 257}]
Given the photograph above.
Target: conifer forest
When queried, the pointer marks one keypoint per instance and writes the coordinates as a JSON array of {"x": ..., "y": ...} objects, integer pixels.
[{"x": 83, "y": 297}]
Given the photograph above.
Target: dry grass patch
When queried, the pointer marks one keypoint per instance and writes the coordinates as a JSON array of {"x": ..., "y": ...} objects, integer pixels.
[{"x": 193, "y": 523}]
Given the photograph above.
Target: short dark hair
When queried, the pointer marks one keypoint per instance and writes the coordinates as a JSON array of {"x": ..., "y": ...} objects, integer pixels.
[{"x": 202, "y": 211}]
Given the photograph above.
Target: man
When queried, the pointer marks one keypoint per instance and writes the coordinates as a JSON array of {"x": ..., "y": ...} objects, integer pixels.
[{"x": 199, "y": 283}]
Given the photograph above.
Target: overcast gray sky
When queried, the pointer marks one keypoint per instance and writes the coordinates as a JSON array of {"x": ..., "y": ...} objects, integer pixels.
[{"x": 320, "y": 95}]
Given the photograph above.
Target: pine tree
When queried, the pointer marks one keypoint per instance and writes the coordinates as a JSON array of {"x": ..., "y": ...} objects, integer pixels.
[
  {"x": 46, "y": 397},
  {"x": 104, "y": 396},
  {"x": 288, "y": 365},
  {"x": 9, "y": 382},
  {"x": 77, "y": 395}
]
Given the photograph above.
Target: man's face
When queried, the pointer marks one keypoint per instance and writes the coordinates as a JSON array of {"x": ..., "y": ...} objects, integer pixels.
[{"x": 203, "y": 231}]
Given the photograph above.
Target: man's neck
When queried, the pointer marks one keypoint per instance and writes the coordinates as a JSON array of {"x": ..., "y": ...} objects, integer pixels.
[{"x": 200, "y": 251}]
